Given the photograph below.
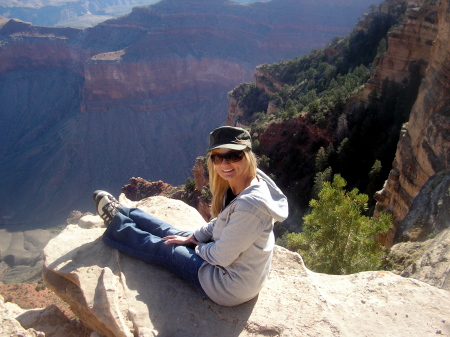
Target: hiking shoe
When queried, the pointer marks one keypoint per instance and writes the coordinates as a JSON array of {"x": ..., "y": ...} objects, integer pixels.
[{"x": 106, "y": 205}]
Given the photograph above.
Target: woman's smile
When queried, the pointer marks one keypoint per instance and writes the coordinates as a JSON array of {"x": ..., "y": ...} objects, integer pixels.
[{"x": 227, "y": 171}]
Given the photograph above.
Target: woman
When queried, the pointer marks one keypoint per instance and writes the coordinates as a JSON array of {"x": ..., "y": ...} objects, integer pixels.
[{"x": 229, "y": 258}]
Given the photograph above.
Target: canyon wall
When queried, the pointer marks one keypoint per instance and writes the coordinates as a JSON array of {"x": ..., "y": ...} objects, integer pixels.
[
  {"x": 134, "y": 96},
  {"x": 424, "y": 147},
  {"x": 409, "y": 43},
  {"x": 417, "y": 47}
]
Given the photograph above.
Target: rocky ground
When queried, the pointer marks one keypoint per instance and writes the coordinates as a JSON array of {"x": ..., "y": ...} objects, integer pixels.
[
  {"x": 37, "y": 295},
  {"x": 32, "y": 295}
]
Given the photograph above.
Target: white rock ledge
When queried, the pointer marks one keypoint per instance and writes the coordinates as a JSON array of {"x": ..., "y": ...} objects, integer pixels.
[{"x": 117, "y": 295}]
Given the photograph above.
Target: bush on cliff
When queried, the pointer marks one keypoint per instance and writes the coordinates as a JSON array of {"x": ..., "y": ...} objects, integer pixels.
[{"x": 337, "y": 238}]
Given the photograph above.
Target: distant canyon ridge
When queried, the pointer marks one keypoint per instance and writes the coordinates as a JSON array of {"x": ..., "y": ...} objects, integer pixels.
[
  {"x": 136, "y": 95},
  {"x": 73, "y": 13}
]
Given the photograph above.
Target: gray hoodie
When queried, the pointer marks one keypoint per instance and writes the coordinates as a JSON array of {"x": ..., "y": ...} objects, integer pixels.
[{"x": 237, "y": 245}]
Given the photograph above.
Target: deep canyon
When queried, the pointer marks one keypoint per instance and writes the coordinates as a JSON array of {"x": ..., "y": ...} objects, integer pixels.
[{"x": 134, "y": 96}]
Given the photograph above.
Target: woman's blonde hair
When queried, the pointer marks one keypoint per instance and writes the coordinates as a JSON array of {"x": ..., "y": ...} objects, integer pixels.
[{"x": 219, "y": 186}]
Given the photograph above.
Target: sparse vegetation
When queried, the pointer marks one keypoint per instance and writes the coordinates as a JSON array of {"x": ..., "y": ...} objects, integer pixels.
[
  {"x": 337, "y": 238},
  {"x": 190, "y": 186},
  {"x": 56, "y": 230},
  {"x": 206, "y": 195}
]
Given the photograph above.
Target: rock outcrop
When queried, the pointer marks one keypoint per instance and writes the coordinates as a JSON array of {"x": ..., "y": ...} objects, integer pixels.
[
  {"x": 409, "y": 43},
  {"x": 430, "y": 211},
  {"x": 201, "y": 178},
  {"x": 10, "y": 326},
  {"x": 116, "y": 295},
  {"x": 427, "y": 261},
  {"x": 139, "y": 188},
  {"x": 45, "y": 322},
  {"x": 424, "y": 146},
  {"x": 424, "y": 250}
]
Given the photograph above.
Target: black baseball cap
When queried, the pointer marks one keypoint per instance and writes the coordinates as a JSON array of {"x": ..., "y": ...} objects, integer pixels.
[{"x": 229, "y": 137}]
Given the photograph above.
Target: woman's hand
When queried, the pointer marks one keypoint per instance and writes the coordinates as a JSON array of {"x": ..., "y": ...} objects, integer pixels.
[{"x": 180, "y": 240}]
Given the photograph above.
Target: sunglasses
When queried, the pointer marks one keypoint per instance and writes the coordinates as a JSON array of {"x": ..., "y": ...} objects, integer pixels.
[{"x": 230, "y": 157}]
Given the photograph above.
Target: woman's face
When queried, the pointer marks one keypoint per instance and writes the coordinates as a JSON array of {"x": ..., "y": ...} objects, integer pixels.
[{"x": 231, "y": 171}]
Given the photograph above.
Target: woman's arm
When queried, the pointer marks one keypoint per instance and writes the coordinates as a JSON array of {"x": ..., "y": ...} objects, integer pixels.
[
  {"x": 180, "y": 240},
  {"x": 203, "y": 234},
  {"x": 241, "y": 231}
]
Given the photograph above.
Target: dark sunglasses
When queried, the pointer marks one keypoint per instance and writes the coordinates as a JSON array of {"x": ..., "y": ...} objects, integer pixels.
[{"x": 230, "y": 157}]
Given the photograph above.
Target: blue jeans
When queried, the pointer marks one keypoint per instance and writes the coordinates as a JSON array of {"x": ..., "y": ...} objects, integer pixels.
[{"x": 139, "y": 234}]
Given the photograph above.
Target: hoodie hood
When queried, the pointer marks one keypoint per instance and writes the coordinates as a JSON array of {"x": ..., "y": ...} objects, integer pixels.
[{"x": 267, "y": 197}]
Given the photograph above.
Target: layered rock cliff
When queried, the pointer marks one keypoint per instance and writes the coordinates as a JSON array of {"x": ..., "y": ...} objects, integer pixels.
[
  {"x": 408, "y": 43},
  {"x": 417, "y": 47},
  {"x": 424, "y": 147},
  {"x": 133, "y": 96}
]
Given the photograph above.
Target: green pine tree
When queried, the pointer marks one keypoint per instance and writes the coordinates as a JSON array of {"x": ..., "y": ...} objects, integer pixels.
[{"x": 337, "y": 238}]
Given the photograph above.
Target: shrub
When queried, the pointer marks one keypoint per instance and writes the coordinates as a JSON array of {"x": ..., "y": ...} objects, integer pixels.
[
  {"x": 190, "y": 186},
  {"x": 206, "y": 195},
  {"x": 264, "y": 162},
  {"x": 336, "y": 237}
]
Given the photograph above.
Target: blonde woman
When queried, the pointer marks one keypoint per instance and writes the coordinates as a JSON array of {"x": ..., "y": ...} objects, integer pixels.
[{"x": 229, "y": 258}]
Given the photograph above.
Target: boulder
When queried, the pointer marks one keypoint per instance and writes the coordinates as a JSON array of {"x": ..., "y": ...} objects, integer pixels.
[
  {"x": 116, "y": 295},
  {"x": 426, "y": 261},
  {"x": 51, "y": 321},
  {"x": 10, "y": 326},
  {"x": 48, "y": 322},
  {"x": 424, "y": 252},
  {"x": 430, "y": 210}
]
